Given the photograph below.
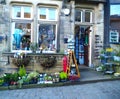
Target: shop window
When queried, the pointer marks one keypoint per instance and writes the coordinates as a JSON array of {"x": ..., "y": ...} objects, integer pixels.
[
  {"x": 83, "y": 15},
  {"x": 47, "y": 13},
  {"x": 21, "y": 12},
  {"x": 47, "y": 37},
  {"x": 21, "y": 27},
  {"x": 21, "y": 36}
]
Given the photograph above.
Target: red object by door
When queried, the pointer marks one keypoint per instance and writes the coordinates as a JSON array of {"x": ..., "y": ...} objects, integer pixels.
[{"x": 65, "y": 63}]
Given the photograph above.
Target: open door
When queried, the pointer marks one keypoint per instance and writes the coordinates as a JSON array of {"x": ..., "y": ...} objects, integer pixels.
[{"x": 82, "y": 44}]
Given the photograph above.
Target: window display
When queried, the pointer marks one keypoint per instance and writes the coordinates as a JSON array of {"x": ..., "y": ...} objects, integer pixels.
[
  {"x": 21, "y": 36},
  {"x": 47, "y": 37}
]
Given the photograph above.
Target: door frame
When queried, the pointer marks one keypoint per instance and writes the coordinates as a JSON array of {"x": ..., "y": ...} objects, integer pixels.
[{"x": 88, "y": 48}]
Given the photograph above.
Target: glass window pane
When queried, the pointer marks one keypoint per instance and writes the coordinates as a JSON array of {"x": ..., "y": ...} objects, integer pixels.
[
  {"x": 17, "y": 11},
  {"x": 52, "y": 13},
  {"x": 21, "y": 36},
  {"x": 87, "y": 16},
  {"x": 78, "y": 14},
  {"x": 42, "y": 13},
  {"x": 27, "y": 12},
  {"x": 47, "y": 37}
]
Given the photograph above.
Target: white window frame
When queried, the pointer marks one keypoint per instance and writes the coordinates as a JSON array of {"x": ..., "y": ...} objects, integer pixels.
[
  {"x": 21, "y": 20},
  {"x": 47, "y": 13},
  {"x": 47, "y": 21},
  {"x": 13, "y": 25},
  {"x": 90, "y": 15},
  {"x": 83, "y": 15},
  {"x": 80, "y": 16},
  {"x": 22, "y": 12}
]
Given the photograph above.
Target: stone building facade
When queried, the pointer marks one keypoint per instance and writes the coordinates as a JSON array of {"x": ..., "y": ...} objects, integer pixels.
[{"x": 56, "y": 26}]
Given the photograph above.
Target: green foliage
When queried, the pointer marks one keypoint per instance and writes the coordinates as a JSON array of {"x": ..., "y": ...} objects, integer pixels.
[
  {"x": 14, "y": 77},
  {"x": 102, "y": 51},
  {"x": 63, "y": 75},
  {"x": 117, "y": 52},
  {"x": 1, "y": 80},
  {"x": 34, "y": 46},
  {"x": 33, "y": 74},
  {"x": 7, "y": 78},
  {"x": 22, "y": 71},
  {"x": 48, "y": 78}
]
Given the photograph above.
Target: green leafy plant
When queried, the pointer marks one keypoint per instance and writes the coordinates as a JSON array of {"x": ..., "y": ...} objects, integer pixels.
[
  {"x": 7, "y": 78},
  {"x": 34, "y": 46},
  {"x": 33, "y": 74},
  {"x": 48, "y": 78},
  {"x": 14, "y": 77},
  {"x": 117, "y": 52},
  {"x": 63, "y": 75},
  {"x": 22, "y": 71},
  {"x": 33, "y": 77},
  {"x": 1, "y": 80}
]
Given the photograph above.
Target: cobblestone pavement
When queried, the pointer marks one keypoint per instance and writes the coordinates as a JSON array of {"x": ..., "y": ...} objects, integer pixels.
[{"x": 100, "y": 90}]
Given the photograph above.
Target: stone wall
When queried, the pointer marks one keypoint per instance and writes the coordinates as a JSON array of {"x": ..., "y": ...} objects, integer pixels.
[
  {"x": 34, "y": 64},
  {"x": 4, "y": 33}
]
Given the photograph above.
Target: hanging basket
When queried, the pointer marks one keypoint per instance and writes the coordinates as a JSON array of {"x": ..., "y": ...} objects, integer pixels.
[
  {"x": 21, "y": 61},
  {"x": 47, "y": 62}
]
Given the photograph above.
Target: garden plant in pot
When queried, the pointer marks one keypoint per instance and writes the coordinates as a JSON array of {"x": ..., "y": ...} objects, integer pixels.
[
  {"x": 63, "y": 76},
  {"x": 33, "y": 77},
  {"x": 34, "y": 47},
  {"x": 117, "y": 55}
]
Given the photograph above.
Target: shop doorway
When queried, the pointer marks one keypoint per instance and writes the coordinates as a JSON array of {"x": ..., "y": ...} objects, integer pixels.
[{"x": 82, "y": 44}]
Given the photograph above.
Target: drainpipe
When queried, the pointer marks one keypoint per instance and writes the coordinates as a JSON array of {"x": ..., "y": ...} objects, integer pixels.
[{"x": 106, "y": 23}]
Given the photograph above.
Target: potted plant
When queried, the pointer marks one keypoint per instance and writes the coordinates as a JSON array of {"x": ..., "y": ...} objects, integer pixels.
[
  {"x": 48, "y": 79},
  {"x": 14, "y": 78},
  {"x": 7, "y": 79},
  {"x": 1, "y": 81},
  {"x": 33, "y": 77},
  {"x": 22, "y": 71},
  {"x": 34, "y": 46},
  {"x": 117, "y": 55},
  {"x": 56, "y": 77},
  {"x": 63, "y": 76}
]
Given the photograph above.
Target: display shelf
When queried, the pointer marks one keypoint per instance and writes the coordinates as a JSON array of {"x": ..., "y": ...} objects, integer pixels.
[{"x": 107, "y": 61}]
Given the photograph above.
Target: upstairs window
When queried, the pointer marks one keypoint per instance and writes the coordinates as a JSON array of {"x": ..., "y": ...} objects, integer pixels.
[
  {"x": 45, "y": 13},
  {"x": 87, "y": 16},
  {"x": 83, "y": 15},
  {"x": 21, "y": 12},
  {"x": 78, "y": 15}
]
